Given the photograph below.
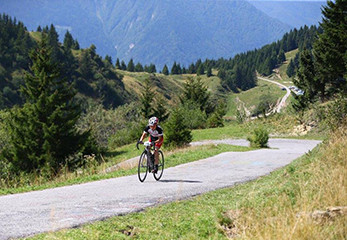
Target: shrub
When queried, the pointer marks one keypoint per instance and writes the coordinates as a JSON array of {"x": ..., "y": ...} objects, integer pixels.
[
  {"x": 176, "y": 131},
  {"x": 194, "y": 118},
  {"x": 113, "y": 128},
  {"x": 129, "y": 134},
  {"x": 216, "y": 119},
  {"x": 259, "y": 138}
]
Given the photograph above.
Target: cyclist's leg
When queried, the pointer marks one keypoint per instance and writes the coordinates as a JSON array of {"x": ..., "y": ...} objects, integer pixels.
[{"x": 156, "y": 151}]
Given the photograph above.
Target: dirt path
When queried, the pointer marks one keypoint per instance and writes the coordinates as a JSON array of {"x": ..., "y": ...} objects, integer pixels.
[{"x": 31, "y": 213}]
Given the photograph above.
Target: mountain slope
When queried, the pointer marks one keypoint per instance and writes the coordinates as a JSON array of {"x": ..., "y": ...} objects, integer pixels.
[
  {"x": 158, "y": 31},
  {"x": 293, "y": 13}
]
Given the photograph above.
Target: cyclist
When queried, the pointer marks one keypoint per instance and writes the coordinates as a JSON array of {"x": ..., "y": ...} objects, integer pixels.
[{"x": 156, "y": 136}]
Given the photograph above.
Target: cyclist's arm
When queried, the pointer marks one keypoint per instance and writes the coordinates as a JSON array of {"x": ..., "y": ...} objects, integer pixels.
[
  {"x": 159, "y": 139},
  {"x": 143, "y": 136}
]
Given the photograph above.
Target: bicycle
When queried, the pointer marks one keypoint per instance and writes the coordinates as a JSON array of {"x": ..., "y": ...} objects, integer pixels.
[{"x": 146, "y": 166}]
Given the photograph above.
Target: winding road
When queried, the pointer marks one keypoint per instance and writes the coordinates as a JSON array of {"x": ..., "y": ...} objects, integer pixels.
[
  {"x": 284, "y": 99},
  {"x": 35, "y": 212}
]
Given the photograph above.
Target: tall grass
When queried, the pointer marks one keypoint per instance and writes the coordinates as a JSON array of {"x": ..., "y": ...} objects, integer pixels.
[{"x": 315, "y": 183}]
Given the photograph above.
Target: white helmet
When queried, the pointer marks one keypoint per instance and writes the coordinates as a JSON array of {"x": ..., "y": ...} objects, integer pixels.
[{"x": 152, "y": 121}]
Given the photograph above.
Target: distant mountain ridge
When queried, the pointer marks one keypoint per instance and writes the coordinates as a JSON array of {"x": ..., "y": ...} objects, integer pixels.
[
  {"x": 155, "y": 31},
  {"x": 294, "y": 13}
]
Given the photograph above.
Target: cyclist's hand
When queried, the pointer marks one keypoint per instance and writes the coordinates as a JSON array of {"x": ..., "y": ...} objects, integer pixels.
[{"x": 137, "y": 144}]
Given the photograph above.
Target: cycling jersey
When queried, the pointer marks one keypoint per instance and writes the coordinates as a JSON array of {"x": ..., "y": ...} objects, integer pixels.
[{"x": 155, "y": 134}]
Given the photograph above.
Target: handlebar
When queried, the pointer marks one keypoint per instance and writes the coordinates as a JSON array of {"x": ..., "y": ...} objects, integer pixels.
[
  {"x": 140, "y": 142},
  {"x": 137, "y": 145}
]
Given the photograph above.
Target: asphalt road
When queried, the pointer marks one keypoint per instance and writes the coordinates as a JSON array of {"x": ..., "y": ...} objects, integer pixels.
[
  {"x": 284, "y": 99},
  {"x": 65, "y": 207}
]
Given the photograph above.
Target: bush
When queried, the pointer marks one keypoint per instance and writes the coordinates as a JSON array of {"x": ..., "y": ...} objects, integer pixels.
[
  {"x": 113, "y": 128},
  {"x": 177, "y": 133},
  {"x": 216, "y": 119},
  {"x": 129, "y": 134},
  {"x": 260, "y": 138},
  {"x": 194, "y": 118}
]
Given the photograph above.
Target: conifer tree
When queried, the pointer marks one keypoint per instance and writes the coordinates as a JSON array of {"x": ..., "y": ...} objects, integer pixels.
[
  {"x": 160, "y": 110},
  {"x": 174, "y": 69},
  {"x": 131, "y": 66},
  {"x": 306, "y": 77},
  {"x": 291, "y": 69},
  {"x": 330, "y": 49},
  {"x": 152, "y": 68},
  {"x": 139, "y": 67},
  {"x": 281, "y": 57},
  {"x": 200, "y": 70},
  {"x": 123, "y": 65},
  {"x": 177, "y": 132},
  {"x": 68, "y": 40},
  {"x": 43, "y": 132},
  {"x": 165, "y": 70},
  {"x": 209, "y": 72},
  {"x": 191, "y": 69},
  {"x": 118, "y": 64},
  {"x": 195, "y": 91},
  {"x": 147, "y": 97},
  {"x": 108, "y": 59},
  {"x": 76, "y": 45}
]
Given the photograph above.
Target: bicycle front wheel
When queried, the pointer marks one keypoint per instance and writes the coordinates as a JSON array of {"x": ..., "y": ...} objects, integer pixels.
[
  {"x": 159, "y": 174},
  {"x": 143, "y": 167}
]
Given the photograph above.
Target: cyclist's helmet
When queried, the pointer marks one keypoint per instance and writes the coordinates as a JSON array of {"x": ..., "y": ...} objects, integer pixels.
[{"x": 153, "y": 121}]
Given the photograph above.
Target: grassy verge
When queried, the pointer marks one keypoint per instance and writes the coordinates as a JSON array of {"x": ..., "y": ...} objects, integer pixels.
[
  {"x": 93, "y": 173},
  {"x": 272, "y": 207}
]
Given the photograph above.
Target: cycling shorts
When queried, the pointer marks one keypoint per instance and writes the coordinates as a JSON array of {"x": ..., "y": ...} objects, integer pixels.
[{"x": 158, "y": 144}]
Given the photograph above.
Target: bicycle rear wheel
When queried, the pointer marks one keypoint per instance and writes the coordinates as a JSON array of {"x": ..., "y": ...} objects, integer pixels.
[
  {"x": 159, "y": 174},
  {"x": 143, "y": 167}
]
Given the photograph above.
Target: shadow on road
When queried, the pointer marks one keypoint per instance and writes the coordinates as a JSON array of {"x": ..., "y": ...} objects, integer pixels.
[{"x": 184, "y": 181}]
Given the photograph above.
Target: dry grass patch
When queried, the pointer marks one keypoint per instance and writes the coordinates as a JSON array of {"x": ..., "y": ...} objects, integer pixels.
[{"x": 301, "y": 205}]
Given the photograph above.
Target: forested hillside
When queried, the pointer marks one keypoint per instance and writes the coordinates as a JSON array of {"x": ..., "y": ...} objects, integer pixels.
[
  {"x": 103, "y": 80},
  {"x": 155, "y": 31}
]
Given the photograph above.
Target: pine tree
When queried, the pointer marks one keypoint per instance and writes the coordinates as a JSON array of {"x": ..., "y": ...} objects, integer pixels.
[
  {"x": 123, "y": 66},
  {"x": 147, "y": 97},
  {"x": 165, "y": 70},
  {"x": 291, "y": 69},
  {"x": 306, "y": 78},
  {"x": 330, "y": 49},
  {"x": 43, "y": 132},
  {"x": 160, "y": 110},
  {"x": 191, "y": 69},
  {"x": 209, "y": 72},
  {"x": 68, "y": 40},
  {"x": 195, "y": 91},
  {"x": 139, "y": 67},
  {"x": 200, "y": 70},
  {"x": 86, "y": 66},
  {"x": 75, "y": 45},
  {"x": 152, "y": 68},
  {"x": 108, "y": 59},
  {"x": 174, "y": 69},
  {"x": 118, "y": 64},
  {"x": 177, "y": 133},
  {"x": 281, "y": 57},
  {"x": 131, "y": 66}
]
